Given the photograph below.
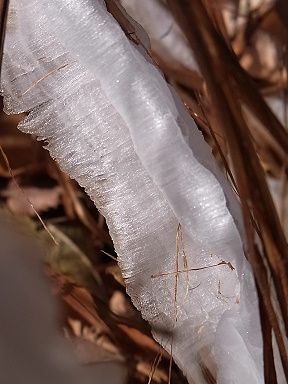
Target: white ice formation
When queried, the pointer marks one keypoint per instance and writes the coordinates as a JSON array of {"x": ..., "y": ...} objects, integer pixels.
[
  {"x": 165, "y": 35},
  {"x": 114, "y": 125}
]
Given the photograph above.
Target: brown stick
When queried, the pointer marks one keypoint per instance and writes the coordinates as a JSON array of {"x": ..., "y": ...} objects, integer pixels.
[{"x": 269, "y": 365}]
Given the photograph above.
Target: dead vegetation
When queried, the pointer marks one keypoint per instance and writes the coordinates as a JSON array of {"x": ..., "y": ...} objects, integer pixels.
[{"x": 241, "y": 49}]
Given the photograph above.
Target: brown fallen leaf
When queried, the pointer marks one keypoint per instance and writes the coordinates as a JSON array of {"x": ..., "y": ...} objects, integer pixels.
[
  {"x": 42, "y": 199},
  {"x": 88, "y": 352},
  {"x": 120, "y": 305}
]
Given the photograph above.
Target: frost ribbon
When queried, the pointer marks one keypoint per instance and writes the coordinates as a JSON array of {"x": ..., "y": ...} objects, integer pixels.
[{"x": 114, "y": 125}]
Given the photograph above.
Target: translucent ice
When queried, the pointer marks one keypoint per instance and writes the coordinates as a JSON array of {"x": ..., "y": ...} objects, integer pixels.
[{"x": 115, "y": 126}]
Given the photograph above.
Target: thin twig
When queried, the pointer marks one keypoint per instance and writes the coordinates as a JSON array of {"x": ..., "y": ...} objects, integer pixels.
[{"x": 25, "y": 196}]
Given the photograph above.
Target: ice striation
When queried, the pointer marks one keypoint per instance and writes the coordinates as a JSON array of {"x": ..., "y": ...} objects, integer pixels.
[
  {"x": 114, "y": 125},
  {"x": 167, "y": 39}
]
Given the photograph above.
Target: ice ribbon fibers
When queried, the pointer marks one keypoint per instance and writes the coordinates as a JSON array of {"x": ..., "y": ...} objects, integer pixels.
[{"x": 113, "y": 124}]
